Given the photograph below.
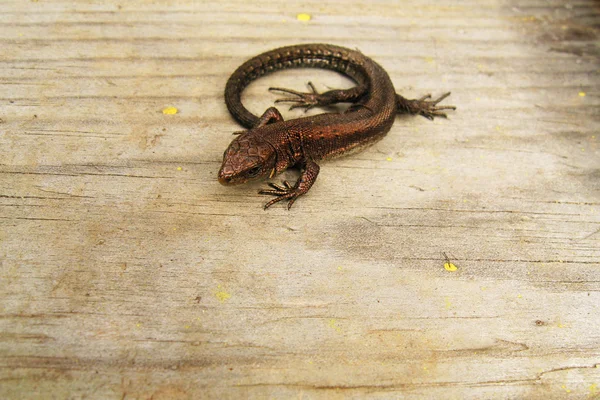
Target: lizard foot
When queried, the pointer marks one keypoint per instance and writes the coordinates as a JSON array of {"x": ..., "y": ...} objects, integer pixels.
[
  {"x": 424, "y": 106},
  {"x": 308, "y": 176},
  {"x": 302, "y": 100},
  {"x": 285, "y": 192}
]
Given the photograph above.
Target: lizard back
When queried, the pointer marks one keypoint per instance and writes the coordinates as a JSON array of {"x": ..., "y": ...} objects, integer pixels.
[{"x": 329, "y": 134}]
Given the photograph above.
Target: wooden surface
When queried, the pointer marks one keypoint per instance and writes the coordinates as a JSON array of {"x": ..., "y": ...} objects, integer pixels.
[{"x": 127, "y": 271}]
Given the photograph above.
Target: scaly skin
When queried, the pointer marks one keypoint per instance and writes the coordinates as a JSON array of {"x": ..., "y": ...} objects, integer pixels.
[{"x": 272, "y": 145}]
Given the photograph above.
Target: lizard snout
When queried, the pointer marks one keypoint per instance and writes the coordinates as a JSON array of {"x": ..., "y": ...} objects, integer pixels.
[{"x": 225, "y": 177}]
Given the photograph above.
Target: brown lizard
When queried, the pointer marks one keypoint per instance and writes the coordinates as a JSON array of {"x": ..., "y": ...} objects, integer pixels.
[{"x": 272, "y": 145}]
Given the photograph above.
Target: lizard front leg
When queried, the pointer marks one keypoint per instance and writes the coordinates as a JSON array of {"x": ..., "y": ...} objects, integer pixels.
[{"x": 308, "y": 176}]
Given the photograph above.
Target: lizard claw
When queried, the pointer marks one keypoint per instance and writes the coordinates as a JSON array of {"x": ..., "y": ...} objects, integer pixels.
[
  {"x": 302, "y": 100},
  {"x": 285, "y": 192},
  {"x": 310, "y": 171},
  {"x": 286, "y": 185},
  {"x": 425, "y": 107}
]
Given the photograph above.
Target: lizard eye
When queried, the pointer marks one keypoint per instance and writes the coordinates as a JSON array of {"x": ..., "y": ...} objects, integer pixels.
[{"x": 252, "y": 172}]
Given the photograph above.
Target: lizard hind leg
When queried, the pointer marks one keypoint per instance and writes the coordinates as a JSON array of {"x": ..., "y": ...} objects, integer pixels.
[
  {"x": 270, "y": 116},
  {"x": 300, "y": 99},
  {"x": 315, "y": 99},
  {"x": 423, "y": 106}
]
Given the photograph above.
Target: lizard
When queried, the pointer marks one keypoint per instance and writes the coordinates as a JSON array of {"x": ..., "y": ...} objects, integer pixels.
[{"x": 271, "y": 145}]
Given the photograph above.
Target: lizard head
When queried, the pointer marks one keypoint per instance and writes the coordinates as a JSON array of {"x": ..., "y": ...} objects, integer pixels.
[{"x": 247, "y": 158}]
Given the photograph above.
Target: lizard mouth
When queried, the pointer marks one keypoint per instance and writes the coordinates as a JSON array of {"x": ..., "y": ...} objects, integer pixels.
[
  {"x": 224, "y": 181},
  {"x": 225, "y": 178},
  {"x": 228, "y": 178}
]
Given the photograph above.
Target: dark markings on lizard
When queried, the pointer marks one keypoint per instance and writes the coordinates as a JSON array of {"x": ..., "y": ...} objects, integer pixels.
[{"x": 272, "y": 145}]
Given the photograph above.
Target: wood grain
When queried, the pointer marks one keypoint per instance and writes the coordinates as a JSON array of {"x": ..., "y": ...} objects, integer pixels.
[{"x": 127, "y": 271}]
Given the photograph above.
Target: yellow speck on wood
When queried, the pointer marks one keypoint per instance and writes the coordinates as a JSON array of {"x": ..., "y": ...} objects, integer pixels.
[
  {"x": 340, "y": 268},
  {"x": 389, "y": 159},
  {"x": 500, "y": 130},
  {"x": 448, "y": 303},
  {"x": 333, "y": 325},
  {"x": 179, "y": 168},
  {"x": 221, "y": 294},
  {"x": 448, "y": 266},
  {"x": 566, "y": 390},
  {"x": 303, "y": 17},
  {"x": 593, "y": 388},
  {"x": 170, "y": 111},
  {"x": 519, "y": 296},
  {"x": 430, "y": 60},
  {"x": 529, "y": 19},
  {"x": 581, "y": 94}
]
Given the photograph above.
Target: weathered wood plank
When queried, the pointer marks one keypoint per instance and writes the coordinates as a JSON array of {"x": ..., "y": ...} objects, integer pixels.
[{"x": 127, "y": 271}]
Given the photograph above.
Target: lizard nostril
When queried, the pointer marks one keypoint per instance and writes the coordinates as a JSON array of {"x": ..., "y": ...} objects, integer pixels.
[
  {"x": 224, "y": 178},
  {"x": 225, "y": 175}
]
